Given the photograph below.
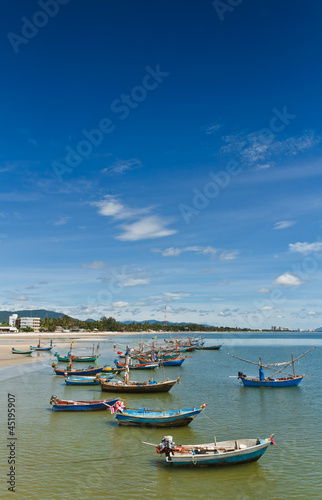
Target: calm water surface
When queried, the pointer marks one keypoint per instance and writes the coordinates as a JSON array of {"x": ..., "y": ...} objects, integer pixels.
[{"x": 87, "y": 455}]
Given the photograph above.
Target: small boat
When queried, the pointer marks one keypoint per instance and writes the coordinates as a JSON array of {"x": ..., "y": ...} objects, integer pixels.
[
  {"x": 68, "y": 405},
  {"x": 210, "y": 347},
  {"x": 135, "y": 387},
  {"x": 262, "y": 381},
  {"x": 153, "y": 418},
  {"x": 216, "y": 453},
  {"x": 137, "y": 366},
  {"x": 127, "y": 386},
  {"x": 17, "y": 351},
  {"x": 173, "y": 362},
  {"x": 79, "y": 359},
  {"x": 82, "y": 381},
  {"x": 39, "y": 348},
  {"x": 80, "y": 372}
]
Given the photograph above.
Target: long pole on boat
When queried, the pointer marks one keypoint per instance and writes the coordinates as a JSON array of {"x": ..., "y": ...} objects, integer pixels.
[
  {"x": 293, "y": 361},
  {"x": 127, "y": 371},
  {"x": 293, "y": 366}
]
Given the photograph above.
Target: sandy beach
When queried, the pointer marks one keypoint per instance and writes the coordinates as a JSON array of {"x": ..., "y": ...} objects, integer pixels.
[{"x": 23, "y": 341}]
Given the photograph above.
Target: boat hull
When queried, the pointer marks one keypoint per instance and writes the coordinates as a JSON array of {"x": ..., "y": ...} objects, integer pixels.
[
  {"x": 81, "y": 381},
  {"x": 157, "y": 419},
  {"x": 235, "y": 457},
  {"x": 40, "y": 348},
  {"x": 139, "y": 366},
  {"x": 78, "y": 373},
  {"x": 76, "y": 359},
  {"x": 136, "y": 387},
  {"x": 62, "y": 405},
  {"x": 173, "y": 362},
  {"x": 210, "y": 347},
  {"x": 292, "y": 382},
  {"x": 16, "y": 351}
]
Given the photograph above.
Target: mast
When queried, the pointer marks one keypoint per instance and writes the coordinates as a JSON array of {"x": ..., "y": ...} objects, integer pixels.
[{"x": 127, "y": 371}]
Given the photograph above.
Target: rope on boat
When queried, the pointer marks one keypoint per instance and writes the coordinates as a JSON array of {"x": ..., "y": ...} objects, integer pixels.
[{"x": 220, "y": 425}]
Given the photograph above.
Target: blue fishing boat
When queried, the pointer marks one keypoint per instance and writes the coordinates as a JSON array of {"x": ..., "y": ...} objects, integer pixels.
[
  {"x": 69, "y": 405},
  {"x": 215, "y": 347},
  {"x": 82, "y": 381},
  {"x": 173, "y": 362},
  {"x": 290, "y": 381},
  {"x": 40, "y": 348},
  {"x": 153, "y": 418},
  {"x": 137, "y": 366},
  {"x": 216, "y": 453},
  {"x": 80, "y": 373}
]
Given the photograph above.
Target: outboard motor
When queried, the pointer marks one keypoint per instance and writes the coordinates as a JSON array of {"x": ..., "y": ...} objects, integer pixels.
[
  {"x": 166, "y": 446},
  {"x": 241, "y": 375}
]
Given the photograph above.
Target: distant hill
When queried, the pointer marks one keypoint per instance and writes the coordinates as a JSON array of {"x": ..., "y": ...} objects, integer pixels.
[{"x": 35, "y": 313}]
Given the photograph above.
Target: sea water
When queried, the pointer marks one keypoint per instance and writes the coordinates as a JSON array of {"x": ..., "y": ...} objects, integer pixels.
[{"x": 86, "y": 455}]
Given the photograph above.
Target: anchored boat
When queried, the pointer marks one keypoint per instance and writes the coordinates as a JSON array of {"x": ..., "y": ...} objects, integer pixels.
[
  {"x": 69, "y": 405},
  {"x": 216, "y": 453},
  {"x": 262, "y": 381},
  {"x": 154, "y": 418}
]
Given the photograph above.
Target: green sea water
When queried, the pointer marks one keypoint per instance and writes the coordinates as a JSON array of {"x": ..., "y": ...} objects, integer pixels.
[{"x": 87, "y": 455}]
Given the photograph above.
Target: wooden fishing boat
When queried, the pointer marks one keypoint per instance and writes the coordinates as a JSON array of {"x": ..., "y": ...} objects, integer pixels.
[
  {"x": 77, "y": 359},
  {"x": 153, "y": 418},
  {"x": 68, "y": 405},
  {"x": 80, "y": 372},
  {"x": 17, "y": 351},
  {"x": 137, "y": 366},
  {"x": 173, "y": 361},
  {"x": 82, "y": 381},
  {"x": 290, "y": 380},
  {"x": 127, "y": 386},
  {"x": 135, "y": 387},
  {"x": 216, "y": 453},
  {"x": 210, "y": 347},
  {"x": 40, "y": 348}
]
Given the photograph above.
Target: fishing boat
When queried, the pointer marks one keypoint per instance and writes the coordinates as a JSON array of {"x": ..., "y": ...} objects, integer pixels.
[
  {"x": 78, "y": 372},
  {"x": 153, "y": 418},
  {"x": 127, "y": 386},
  {"x": 77, "y": 358},
  {"x": 68, "y": 405},
  {"x": 173, "y": 361},
  {"x": 82, "y": 381},
  {"x": 135, "y": 387},
  {"x": 17, "y": 351},
  {"x": 209, "y": 347},
  {"x": 216, "y": 453},
  {"x": 290, "y": 380},
  {"x": 40, "y": 348},
  {"x": 137, "y": 366}
]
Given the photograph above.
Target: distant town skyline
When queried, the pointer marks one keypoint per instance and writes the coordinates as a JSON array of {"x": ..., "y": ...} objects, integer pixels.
[{"x": 162, "y": 161}]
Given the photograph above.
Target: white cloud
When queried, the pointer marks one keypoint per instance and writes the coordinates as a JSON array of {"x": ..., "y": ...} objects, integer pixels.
[
  {"x": 284, "y": 224},
  {"x": 149, "y": 227},
  {"x": 174, "y": 252},
  {"x": 120, "y": 304},
  {"x": 256, "y": 148},
  {"x": 312, "y": 313},
  {"x": 288, "y": 279},
  {"x": 62, "y": 221},
  {"x": 127, "y": 281},
  {"x": 305, "y": 248},
  {"x": 97, "y": 264},
  {"x": 21, "y": 298},
  {"x": 226, "y": 256},
  {"x": 263, "y": 290},
  {"x": 267, "y": 308},
  {"x": 121, "y": 166},
  {"x": 110, "y": 206},
  {"x": 176, "y": 295}
]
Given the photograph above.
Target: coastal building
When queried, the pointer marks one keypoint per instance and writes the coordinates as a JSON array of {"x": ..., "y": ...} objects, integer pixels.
[
  {"x": 8, "y": 329},
  {"x": 13, "y": 319},
  {"x": 33, "y": 323}
]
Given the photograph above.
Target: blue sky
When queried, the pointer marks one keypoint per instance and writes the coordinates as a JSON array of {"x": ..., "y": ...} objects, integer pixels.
[{"x": 162, "y": 159}]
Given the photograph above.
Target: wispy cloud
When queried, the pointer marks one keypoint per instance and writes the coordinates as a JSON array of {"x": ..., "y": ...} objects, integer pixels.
[
  {"x": 284, "y": 224},
  {"x": 144, "y": 226},
  {"x": 97, "y": 264},
  {"x": 149, "y": 227},
  {"x": 288, "y": 279},
  {"x": 263, "y": 290},
  {"x": 305, "y": 248},
  {"x": 224, "y": 255},
  {"x": 122, "y": 166},
  {"x": 20, "y": 298},
  {"x": 120, "y": 304},
  {"x": 62, "y": 221},
  {"x": 253, "y": 149}
]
